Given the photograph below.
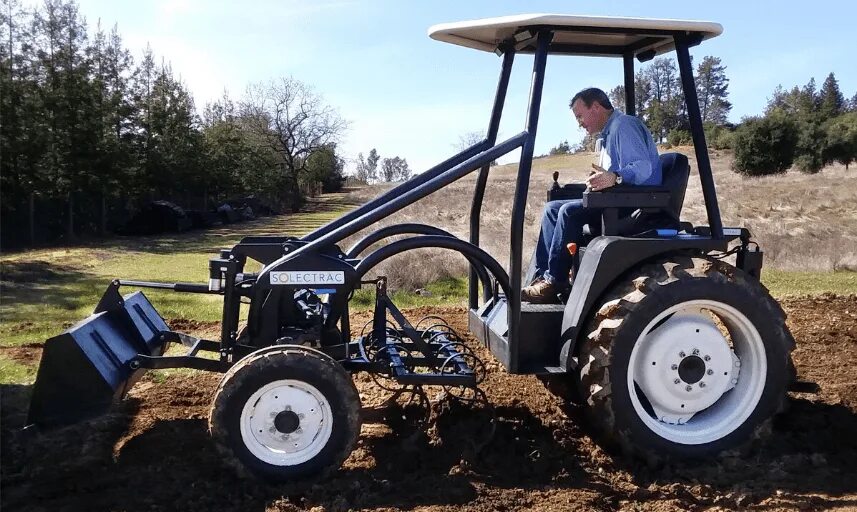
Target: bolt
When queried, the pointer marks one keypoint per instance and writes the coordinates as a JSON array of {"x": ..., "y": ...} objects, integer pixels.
[
  {"x": 696, "y": 351},
  {"x": 688, "y": 388},
  {"x": 681, "y": 354},
  {"x": 734, "y": 381},
  {"x": 707, "y": 358},
  {"x": 674, "y": 367},
  {"x": 702, "y": 384},
  {"x": 737, "y": 363},
  {"x": 677, "y": 381},
  {"x": 710, "y": 372}
]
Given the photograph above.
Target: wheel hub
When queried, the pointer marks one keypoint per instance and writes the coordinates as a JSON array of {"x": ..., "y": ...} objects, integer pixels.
[
  {"x": 691, "y": 369},
  {"x": 286, "y": 422},
  {"x": 684, "y": 366}
]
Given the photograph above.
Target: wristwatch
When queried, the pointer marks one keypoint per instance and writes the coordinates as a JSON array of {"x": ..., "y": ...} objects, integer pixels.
[{"x": 618, "y": 178}]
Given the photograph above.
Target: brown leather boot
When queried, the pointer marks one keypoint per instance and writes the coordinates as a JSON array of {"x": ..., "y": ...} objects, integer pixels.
[{"x": 540, "y": 292}]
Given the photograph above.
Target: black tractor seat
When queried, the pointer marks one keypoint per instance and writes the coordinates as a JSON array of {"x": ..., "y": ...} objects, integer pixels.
[{"x": 629, "y": 210}]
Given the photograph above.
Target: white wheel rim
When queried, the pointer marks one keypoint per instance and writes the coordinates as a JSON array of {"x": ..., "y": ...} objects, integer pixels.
[
  {"x": 286, "y": 422},
  {"x": 700, "y": 388}
]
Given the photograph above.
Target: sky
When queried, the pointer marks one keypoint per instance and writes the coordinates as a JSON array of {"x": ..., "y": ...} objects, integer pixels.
[{"x": 410, "y": 96}]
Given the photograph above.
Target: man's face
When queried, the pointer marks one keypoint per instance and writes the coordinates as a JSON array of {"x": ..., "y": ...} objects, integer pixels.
[{"x": 589, "y": 118}]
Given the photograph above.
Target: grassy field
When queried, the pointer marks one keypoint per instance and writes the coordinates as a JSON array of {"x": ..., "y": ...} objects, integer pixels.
[
  {"x": 45, "y": 290},
  {"x": 807, "y": 226}
]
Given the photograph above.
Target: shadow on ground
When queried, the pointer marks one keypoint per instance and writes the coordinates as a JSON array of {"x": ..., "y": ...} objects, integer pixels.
[{"x": 172, "y": 464}]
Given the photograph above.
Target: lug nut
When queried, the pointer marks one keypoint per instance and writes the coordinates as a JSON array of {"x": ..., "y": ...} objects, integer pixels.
[
  {"x": 710, "y": 372},
  {"x": 677, "y": 381},
  {"x": 696, "y": 351},
  {"x": 688, "y": 388},
  {"x": 734, "y": 381},
  {"x": 674, "y": 367},
  {"x": 681, "y": 354},
  {"x": 737, "y": 363},
  {"x": 707, "y": 358},
  {"x": 702, "y": 384}
]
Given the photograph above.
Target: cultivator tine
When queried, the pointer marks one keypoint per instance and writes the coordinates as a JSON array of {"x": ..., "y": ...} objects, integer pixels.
[
  {"x": 431, "y": 318},
  {"x": 400, "y": 354}
]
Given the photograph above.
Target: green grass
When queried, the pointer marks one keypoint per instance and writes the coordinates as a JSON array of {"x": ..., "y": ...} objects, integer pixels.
[
  {"x": 44, "y": 291},
  {"x": 783, "y": 284},
  {"x": 14, "y": 372},
  {"x": 445, "y": 292},
  {"x": 780, "y": 283}
]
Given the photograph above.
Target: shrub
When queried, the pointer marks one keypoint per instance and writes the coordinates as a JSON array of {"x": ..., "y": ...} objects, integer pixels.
[
  {"x": 561, "y": 149},
  {"x": 842, "y": 138},
  {"x": 678, "y": 137},
  {"x": 765, "y": 145},
  {"x": 811, "y": 147},
  {"x": 719, "y": 137}
]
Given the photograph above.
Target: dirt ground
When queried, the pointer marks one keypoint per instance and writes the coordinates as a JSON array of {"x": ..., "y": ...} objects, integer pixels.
[{"x": 527, "y": 451}]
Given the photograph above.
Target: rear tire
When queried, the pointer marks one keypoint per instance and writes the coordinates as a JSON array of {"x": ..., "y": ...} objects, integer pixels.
[
  {"x": 689, "y": 358},
  {"x": 285, "y": 413}
]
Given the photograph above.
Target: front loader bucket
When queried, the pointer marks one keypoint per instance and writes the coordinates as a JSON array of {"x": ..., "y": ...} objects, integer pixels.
[{"x": 86, "y": 367}]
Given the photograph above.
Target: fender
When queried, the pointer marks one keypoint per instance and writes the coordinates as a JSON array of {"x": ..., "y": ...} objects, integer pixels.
[{"x": 605, "y": 260}]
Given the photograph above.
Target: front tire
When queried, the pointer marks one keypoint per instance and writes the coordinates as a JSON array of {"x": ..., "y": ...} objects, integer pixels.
[
  {"x": 687, "y": 359},
  {"x": 286, "y": 413}
]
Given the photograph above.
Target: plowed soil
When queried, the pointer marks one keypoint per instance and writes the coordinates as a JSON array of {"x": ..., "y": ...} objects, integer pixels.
[{"x": 527, "y": 450}]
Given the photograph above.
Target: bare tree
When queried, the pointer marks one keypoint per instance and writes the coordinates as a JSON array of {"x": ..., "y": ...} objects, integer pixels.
[
  {"x": 468, "y": 139},
  {"x": 290, "y": 118}
]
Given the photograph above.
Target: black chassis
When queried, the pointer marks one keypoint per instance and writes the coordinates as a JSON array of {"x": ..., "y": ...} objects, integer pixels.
[{"x": 526, "y": 338}]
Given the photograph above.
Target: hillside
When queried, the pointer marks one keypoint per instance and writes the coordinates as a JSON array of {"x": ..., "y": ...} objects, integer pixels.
[{"x": 802, "y": 222}]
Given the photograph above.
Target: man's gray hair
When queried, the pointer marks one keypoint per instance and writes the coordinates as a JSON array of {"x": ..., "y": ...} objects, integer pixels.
[{"x": 591, "y": 95}]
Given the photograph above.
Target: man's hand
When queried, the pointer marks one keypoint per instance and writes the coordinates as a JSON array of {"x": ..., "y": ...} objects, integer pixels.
[{"x": 600, "y": 178}]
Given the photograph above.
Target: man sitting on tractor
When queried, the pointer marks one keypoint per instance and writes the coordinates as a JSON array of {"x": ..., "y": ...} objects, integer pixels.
[{"x": 628, "y": 155}]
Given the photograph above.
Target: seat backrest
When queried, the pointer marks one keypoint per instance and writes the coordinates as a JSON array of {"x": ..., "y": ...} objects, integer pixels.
[
  {"x": 675, "y": 171},
  {"x": 674, "y": 175}
]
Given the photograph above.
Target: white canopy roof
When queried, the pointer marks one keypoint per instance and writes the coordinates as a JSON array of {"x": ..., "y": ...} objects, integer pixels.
[{"x": 576, "y": 35}]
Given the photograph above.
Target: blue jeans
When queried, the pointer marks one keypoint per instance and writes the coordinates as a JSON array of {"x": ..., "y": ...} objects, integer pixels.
[{"x": 562, "y": 223}]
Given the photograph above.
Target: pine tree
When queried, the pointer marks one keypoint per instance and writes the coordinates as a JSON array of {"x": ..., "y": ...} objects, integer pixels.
[
  {"x": 617, "y": 98},
  {"x": 664, "y": 112},
  {"x": 831, "y": 102},
  {"x": 372, "y": 165},
  {"x": 807, "y": 101},
  {"x": 642, "y": 94},
  {"x": 712, "y": 90}
]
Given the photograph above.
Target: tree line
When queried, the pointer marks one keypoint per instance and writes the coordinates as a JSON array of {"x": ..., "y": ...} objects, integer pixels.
[
  {"x": 804, "y": 127},
  {"x": 89, "y": 135},
  {"x": 659, "y": 102},
  {"x": 391, "y": 169}
]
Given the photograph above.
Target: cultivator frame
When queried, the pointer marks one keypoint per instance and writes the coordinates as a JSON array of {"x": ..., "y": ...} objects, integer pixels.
[{"x": 297, "y": 342}]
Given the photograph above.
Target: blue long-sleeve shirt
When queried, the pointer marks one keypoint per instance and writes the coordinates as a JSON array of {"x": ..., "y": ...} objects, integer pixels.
[{"x": 629, "y": 150}]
